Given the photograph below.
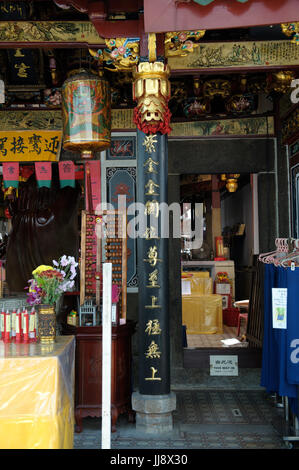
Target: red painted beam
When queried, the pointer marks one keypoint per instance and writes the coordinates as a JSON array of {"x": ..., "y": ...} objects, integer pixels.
[{"x": 167, "y": 15}]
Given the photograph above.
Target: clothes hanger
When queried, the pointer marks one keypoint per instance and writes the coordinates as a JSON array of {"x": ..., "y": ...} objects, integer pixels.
[
  {"x": 292, "y": 259},
  {"x": 282, "y": 247}
]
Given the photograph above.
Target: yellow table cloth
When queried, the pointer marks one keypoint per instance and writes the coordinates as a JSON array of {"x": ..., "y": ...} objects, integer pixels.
[
  {"x": 37, "y": 395},
  {"x": 202, "y": 314}
]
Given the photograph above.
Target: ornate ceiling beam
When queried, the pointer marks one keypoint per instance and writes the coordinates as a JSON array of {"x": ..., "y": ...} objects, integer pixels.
[
  {"x": 49, "y": 34},
  {"x": 98, "y": 13}
]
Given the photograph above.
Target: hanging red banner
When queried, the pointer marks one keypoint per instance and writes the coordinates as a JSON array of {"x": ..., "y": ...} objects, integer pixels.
[
  {"x": 43, "y": 173},
  {"x": 11, "y": 174},
  {"x": 92, "y": 184},
  {"x": 67, "y": 173}
]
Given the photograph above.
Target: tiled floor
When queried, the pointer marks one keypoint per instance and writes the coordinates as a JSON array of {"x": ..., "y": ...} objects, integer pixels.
[
  {"x": 203, "y": 419},
  {"x": 214, "y": 340}
]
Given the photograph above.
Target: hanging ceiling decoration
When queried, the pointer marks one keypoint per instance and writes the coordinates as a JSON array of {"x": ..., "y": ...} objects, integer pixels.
[
  {"x": 231, "y": 181},
  {"x": 86, "y": 113}
]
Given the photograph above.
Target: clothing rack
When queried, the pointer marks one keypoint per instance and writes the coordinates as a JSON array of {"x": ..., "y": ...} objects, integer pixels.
[{"x": 285, "y": 256}]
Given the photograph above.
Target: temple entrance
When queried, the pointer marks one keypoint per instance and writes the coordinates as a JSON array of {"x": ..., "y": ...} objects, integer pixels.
[
  {"x": 217, "y": 265},
  {"x": 246, "y": 221}
]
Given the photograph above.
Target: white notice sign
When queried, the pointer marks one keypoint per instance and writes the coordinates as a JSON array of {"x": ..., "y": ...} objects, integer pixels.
[
  {"x": 224, "y": 365},
  {"x": 186, "y": 287},
  {"x": 279, "y": 307}
]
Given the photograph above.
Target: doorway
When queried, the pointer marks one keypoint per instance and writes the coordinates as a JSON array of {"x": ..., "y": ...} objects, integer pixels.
[{"x": 216, "y": 265}]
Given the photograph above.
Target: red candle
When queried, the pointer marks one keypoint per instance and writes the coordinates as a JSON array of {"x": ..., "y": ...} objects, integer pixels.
[
  {"x": 2, "y": 323},
  {"x": 25, "y": 326},
  {"x": 18, "y": 327},
  {"x": 13, "y": 325},
  {"x": 7, "y": 327}
]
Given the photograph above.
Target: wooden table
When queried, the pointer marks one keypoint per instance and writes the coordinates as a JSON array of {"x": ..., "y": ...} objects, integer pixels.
[{"x": 88, "y": 382}]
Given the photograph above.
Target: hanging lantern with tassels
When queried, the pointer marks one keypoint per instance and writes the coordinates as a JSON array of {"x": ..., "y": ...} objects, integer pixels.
[{"x": 86, "y": 114}]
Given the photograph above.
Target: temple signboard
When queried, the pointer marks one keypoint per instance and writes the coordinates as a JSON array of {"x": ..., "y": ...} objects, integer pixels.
[{"x": 34, "y": 145}]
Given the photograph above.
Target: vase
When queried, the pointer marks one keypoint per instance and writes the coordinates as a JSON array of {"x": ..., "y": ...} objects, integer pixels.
[{"x": 46, "y": 323}]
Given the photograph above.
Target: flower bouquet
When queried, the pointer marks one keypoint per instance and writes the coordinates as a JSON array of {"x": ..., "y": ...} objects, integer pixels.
[
  {"x": 50, "y": 282},
  {"x": 45, "y": 289}
]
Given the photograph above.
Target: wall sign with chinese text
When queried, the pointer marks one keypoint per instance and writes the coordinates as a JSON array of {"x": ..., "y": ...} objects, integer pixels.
[
  {"x": 224, "y": 365},
  {"x": 22, "y": 146}
]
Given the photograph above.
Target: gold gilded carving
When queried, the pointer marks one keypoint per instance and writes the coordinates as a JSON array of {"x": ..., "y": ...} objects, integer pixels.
[
  {"x": 291, "y": 30},
  {"x": 238, "y": 54},
  {"x": 225, "y": 127},
  {"x": 150, "y": 233},
  {"x": 119, "y": 54},
  {"x": 153, "y": 279},
  {"x": 151, "y": 90},
  {"x": 149, "y": 144},
  {"x": 152, "y": 256},
  {"x": 217, "y": 87},
  {"x": 152, "y": 208},
  {"x": 27, "y": 120},
  {"x": 19, "y": 53},
  {"x": 49, "y": 31},
  {"x": 153, "y": 327},
  {"x": 153, "y": 351},
  {"x": 153, "y": 304},
  {"x": 182, "y": 43},
  {"x": 150, "y": 165},
  {"x": 281, "y": 81},
  {"x": 151, "y": 188},
  {"x": 153, "y": 377},
  {"x": 152, "y": 48},
  {"x": 22, "y": 70},
  {"x": 52, "y": 120}
]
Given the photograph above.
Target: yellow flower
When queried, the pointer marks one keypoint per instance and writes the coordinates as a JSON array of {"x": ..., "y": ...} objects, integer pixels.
[{"x": 41, "y": 268}]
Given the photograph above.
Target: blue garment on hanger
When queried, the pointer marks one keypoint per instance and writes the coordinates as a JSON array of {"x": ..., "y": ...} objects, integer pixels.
[
  {"x": 286, "y": 387},
  {"x": 274, "y": 359},
  {"x": 293, "y": 326},
  {"x": 293, "y": 335}
]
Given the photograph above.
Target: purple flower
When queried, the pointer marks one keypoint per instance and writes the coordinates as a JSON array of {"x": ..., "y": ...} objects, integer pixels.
[{"x": 64, "y": 261}]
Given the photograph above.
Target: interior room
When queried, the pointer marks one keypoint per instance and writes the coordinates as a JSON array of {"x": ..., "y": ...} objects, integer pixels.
[{"x": 216, "y": 264}]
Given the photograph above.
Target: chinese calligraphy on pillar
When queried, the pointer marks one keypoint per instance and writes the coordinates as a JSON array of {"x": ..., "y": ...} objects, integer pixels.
[
  {"x": 151, "y": 90},
  {"x": 153, "y": 265}
]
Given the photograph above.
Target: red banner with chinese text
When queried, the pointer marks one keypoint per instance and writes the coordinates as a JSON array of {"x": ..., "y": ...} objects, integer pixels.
[
  {"x": 11, "y": 174},
  {"x": 43, "y": 173},
  {"x": 67, "y": 173}
]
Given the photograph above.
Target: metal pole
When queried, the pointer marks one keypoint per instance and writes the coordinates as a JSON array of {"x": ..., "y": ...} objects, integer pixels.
[{"x": 106, "y": 356}]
